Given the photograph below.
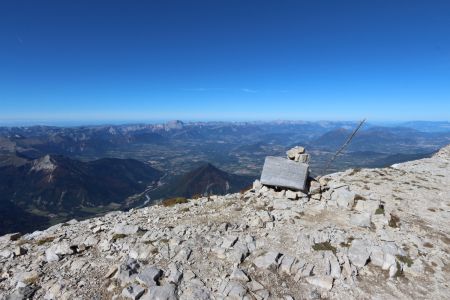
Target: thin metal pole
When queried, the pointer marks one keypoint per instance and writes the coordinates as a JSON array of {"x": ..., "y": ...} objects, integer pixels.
[{"x": 342, "y": 147}]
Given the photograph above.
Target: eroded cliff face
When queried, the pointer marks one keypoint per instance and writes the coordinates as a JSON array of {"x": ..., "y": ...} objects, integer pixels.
[{"x": 370, "y": 233}]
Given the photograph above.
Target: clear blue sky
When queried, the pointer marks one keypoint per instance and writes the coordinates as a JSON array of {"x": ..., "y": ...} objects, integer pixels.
[{"x": 224, "y": 60}]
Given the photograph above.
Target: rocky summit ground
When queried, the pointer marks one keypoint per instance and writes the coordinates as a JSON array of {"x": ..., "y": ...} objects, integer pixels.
[{"x": 358, "y": 234}]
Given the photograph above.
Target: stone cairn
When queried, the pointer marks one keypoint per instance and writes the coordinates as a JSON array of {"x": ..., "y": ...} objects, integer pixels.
[
  {"x": 288, "y": 174},
  {"x": 298, "y": 154}
]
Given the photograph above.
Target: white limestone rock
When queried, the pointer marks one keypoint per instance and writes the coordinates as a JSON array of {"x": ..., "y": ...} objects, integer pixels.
[
  {"x": 363, "y": 219},
  {"x": 133, "y": 291},
  {"x": 323, "y": 282},
  {"x": 268, "y": 260},
  {"x": 359, "y": 253}
]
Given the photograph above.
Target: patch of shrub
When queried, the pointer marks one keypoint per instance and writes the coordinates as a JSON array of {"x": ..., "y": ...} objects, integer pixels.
[
  {"x": 380, "y": 210},
  {"x": 405, "y": 259},
  {"x": 394, "y": 222},
  {"x": 118, "y": 236},
  {"x": 354, "y": 171},
  {"x": 359, "y": 197},
  {"x": 45, "y": 240},
  {"x": 399, "y": 272},
  {"x": 173, "y": 201},
  {"x": 428, "y": 245},
  {"x": 325, "y": 246}
]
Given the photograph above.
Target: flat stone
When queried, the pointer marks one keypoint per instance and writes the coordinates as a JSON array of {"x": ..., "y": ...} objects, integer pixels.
[
  {"x": 291, "y": 195},
  {"x": 282, "y": 204},
  {"x": 125, "y": 229},
  {"x": 50, "y": 255},
  {"x": 257, "y": 185},
  {"x": 303, "y": 158},
  {"x": 236, "y": 291},
  {"x": 369, "y": 206},
  {"x": 55, "y": 252},
  {"x": 175, "y": 274},
  {"x": 149, "y": 276},
  {"x": 306, "y": 270},
  {"x": 239, "y": 275},
  {"x": 291, "y": 153},
  {"x": 286, "y": 264},
  {"x": 128, "y": 271},
  {"x": 111, "y": 272},
  {"x": 335, "y": 268},
  {"x": 63, "y": 248},
  {"x": 265, "y": 216},
  {"x": 165, "y": 292},
  {"x": 195, "y": 290},
  {"x": 27, "y": 277},
  {"x": 343, "y": 197},
  {"x": 255, "y": 286},
  {"x": 314, "y": 187},
  {"x": 361, "y": 219},
  {"x": 281, "y": 172},
  {"x": 229, "y": 241},
  {"x": 21, "y": 293},
  {"x": 377, "y": 256},
  {"x": 91, "y": 241},
  {"x": 239, "y": 252},
  {"x": 133, "y": 291},
  {"x": 268, "y": 260},
  {"x": 358, "y": 253},
  {"x": 324, "y": 282},
  {"x": 6, "y": 253}
]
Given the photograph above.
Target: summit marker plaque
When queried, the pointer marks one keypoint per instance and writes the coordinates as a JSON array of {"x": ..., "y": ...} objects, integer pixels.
[{"x": 281, "y": 172}]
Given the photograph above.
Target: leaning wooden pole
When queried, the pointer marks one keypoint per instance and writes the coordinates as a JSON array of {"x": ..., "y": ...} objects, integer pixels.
[{"x": 347, "y": 142}]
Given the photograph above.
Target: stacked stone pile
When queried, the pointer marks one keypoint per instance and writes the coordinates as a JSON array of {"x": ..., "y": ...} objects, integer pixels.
[{"x": 298, "y": 154}]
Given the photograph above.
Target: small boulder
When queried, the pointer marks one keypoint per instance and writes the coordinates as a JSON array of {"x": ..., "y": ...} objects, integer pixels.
[
  {"x": 128, "y": 271},
  {"x": 344, "y": 197},
  {"x": 19, "y": 250},
  {"x": 239, "y": 275},
  {"x": 358, "y": 253},
  {"x": 5, "y": 253},
  {"x": 291, "y": 153},
  {"x": 268, "y": 260},
  {"x": 133, "y": 291},
  {"x": 175, "y": 274},
  {"x": 323, "y": 282},
  {"x": 125, "y": 229},
  {"x": 291, "y": 195},
  {"x": 165, "y": 292},
  {"x": 361, "y": 219},
  {"x": 149, "y": 276}
]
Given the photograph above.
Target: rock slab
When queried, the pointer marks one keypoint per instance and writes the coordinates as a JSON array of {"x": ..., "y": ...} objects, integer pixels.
[{"x": 285, "y": 173}]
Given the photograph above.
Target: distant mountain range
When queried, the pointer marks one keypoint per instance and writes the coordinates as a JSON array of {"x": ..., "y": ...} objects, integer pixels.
[
  {"x": 49, "y": 174},
  {"x": 380, "y": 139}
]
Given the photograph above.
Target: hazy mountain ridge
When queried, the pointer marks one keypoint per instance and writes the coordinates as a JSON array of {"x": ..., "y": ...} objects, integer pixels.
[
  {"x": 227, "y": 145},
  {"x": 176, "y": 149}
]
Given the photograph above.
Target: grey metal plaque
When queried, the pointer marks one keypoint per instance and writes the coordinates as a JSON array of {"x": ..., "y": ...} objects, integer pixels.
[{"x": 278, "y": 171}]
